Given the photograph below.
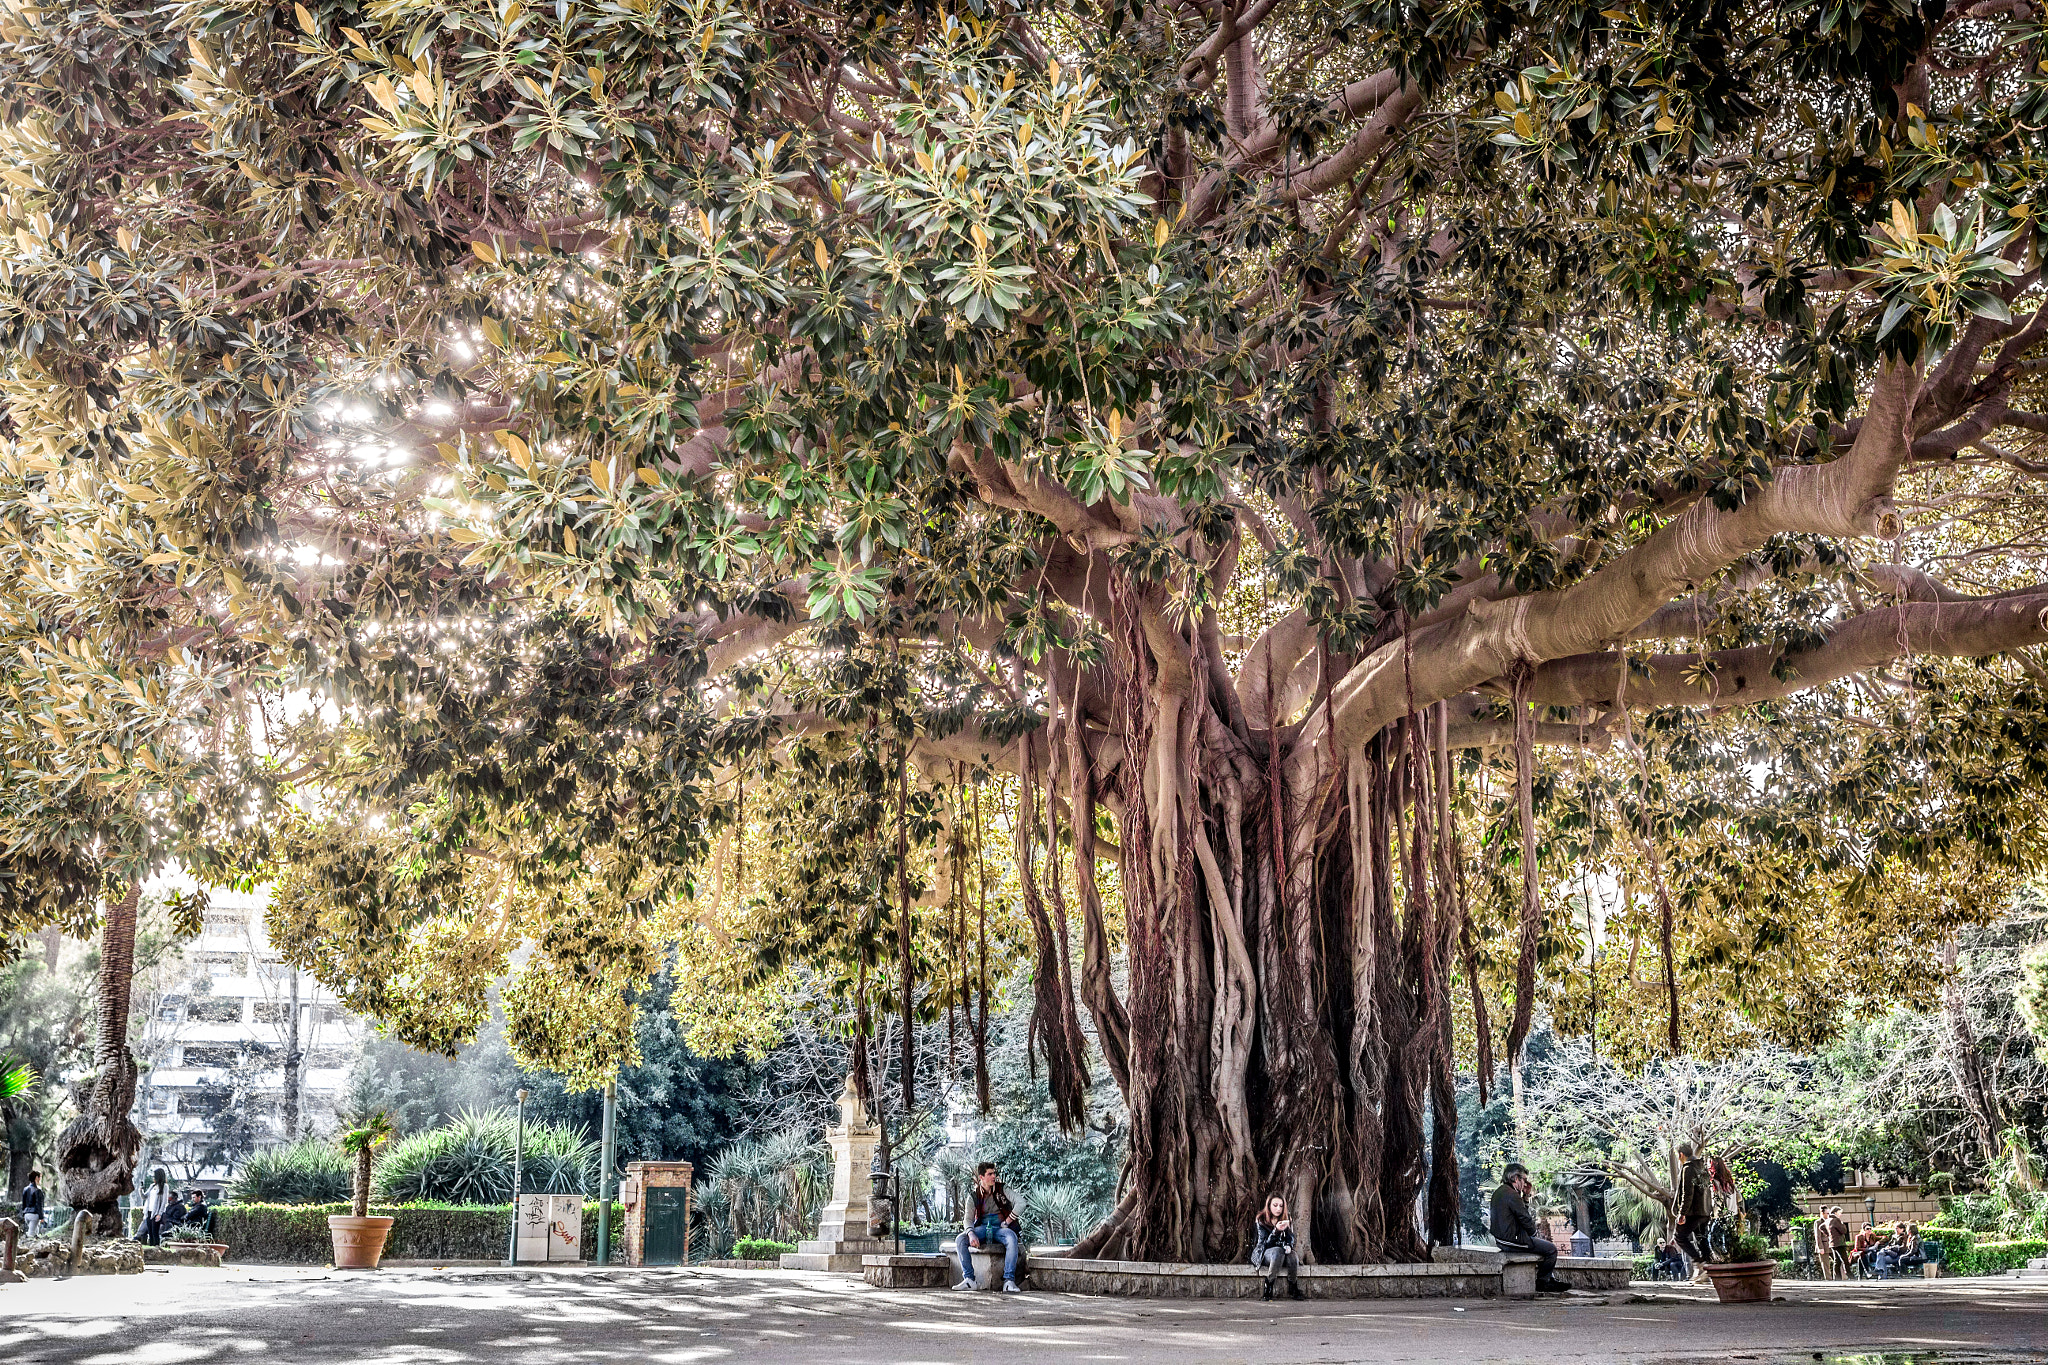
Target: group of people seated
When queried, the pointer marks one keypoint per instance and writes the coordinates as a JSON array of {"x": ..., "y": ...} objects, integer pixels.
[
  {"x": 164, "y": 1208},
  {"x": 1874, "y": 1253},
  {"x": 1881, "y": 1254},
  {"x": 992, "y": 1222},
  {"x": 1668, "y": 1262}
]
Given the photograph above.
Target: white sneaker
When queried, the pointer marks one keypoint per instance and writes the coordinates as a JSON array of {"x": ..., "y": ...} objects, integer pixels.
[
  {"x": 965, "y": 1284},
  {"x": 1010, "y": 1287}
]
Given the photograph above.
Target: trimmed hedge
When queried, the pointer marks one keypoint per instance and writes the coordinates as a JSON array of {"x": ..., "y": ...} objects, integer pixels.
[
  {"x": 296, "y": 1234},
  {"x": 760, "y": 1249},
  {"x": 1958, "y": 1248},
  {"x": 1963, "y": 1254},
  {"x": 1995, "y": 1258}
]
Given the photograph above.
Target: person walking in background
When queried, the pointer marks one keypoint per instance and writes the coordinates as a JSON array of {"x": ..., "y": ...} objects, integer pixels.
[
  {"x": 153, "y": 1205},
  {"x": 1824, "y": 1243},
  {"x": 1273, "y": 1247},
  {"x": 32, "y": 1219},
  {"x": 1726, "y": 1223},
  {"x": 1514, "y": 1227},
  {"x": 1838, "y": 1242},
  {"x": 1695, "y": 1208},
  {"x": 990, "y": 1217}
]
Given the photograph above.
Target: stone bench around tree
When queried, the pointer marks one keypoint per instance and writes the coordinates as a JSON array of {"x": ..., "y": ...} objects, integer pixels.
[
  {"x": 1518, "y": 1269},
  {"x": 1175, "y": 1280},
  {"x": 910, "y": 1270},
  {"x": 988, "y": 1264}
]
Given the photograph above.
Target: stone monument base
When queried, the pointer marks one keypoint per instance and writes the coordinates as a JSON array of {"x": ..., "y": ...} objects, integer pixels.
[{"x": 843, "y": 1254}]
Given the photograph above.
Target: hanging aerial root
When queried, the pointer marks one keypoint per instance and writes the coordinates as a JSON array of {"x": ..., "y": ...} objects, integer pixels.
[
  {"x": 1532, "y": 905},
  {"x": 1055, "y": 1030}
]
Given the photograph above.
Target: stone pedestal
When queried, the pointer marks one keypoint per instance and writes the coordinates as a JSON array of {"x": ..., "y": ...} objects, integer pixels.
[{"x": 843, "y": 1232}]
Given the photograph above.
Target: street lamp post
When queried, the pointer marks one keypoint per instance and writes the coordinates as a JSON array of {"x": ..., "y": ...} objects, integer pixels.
[
  {"x": 518, "y": 1155},
  {"x": 604, "y": 1174}
]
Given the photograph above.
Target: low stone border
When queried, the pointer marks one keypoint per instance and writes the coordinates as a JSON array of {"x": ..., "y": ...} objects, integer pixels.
[
  {"x": 741, "y": 1265},
  {"x": 1477, "y": 1273},
  {"x": 1172, "y": 1280},
  {"x": 1593, "y": 1273},
  {"x": 910, "y": 1270}
]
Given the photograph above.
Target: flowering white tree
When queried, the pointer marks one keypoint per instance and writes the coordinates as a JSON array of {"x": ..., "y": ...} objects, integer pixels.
[{"x": 1586, "y": 1116}]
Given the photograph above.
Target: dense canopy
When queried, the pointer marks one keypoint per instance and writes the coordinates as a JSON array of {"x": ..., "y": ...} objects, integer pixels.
[{"x": 1359, "y": 474}]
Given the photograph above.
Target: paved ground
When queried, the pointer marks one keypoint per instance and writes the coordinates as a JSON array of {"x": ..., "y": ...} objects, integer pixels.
[{"x": 666, "y": 1317}]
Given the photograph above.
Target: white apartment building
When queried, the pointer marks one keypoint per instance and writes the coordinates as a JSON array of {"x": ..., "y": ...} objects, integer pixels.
[{"x": 214, "y": 1050}]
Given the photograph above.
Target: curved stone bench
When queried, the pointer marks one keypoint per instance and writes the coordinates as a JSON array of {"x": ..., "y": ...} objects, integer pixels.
[
  {"x": 1175, "y": 1280},
  {"x": 1595, "y": 1273}
]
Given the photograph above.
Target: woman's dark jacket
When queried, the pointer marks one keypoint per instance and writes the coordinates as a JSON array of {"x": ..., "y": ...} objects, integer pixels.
[{"x": 1266, "y": 1236}]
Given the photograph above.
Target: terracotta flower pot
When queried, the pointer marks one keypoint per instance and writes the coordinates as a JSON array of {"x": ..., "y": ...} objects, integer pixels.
[
  {"x": 358, "y": 1242},
  {"x": 1742, "y": 1281}
]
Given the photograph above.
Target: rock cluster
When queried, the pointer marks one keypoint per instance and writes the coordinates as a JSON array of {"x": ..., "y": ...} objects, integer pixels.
[{"x": 49, "y": 1257}]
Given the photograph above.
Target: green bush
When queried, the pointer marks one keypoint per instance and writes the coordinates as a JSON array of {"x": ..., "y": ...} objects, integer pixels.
[
  {"x": 1643, "y": 1268},
  {"x": 1958, "y": 1247},
  {"x": 759, "y": 1249},
  {"x": 468, "y": 1161},
  {"x": 1995, "y": 1258},
  {"x": 1748, "y": 1249},
  {"x": 297, "y": 1233},
  {"x": 309, "y": 1171}
]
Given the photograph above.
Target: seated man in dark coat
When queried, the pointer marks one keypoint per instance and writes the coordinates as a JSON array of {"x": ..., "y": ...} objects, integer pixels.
[{"x": 1514, "y": 1228}]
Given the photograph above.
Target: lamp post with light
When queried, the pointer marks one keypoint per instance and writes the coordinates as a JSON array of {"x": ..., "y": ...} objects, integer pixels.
[{"x": 518, "y": 1155}]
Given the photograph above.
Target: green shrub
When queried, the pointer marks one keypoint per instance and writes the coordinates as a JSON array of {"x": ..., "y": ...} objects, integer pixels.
[
  {"x": 297, "y": 1233},
  {"x": 759, "y": 1249},
  {"x": 1749, "y": 1248},
  {"x": 468, "y": 1160},
  {"x": 1958, "y": 1247},
  {"x": 309, "y": 1171},
  {"x": 1643, "y": 1268},
  {"x": 1995, "y": 1258}
]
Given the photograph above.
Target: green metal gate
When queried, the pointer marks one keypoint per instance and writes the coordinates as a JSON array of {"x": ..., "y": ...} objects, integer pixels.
[{"x": 666, "y": 1226}]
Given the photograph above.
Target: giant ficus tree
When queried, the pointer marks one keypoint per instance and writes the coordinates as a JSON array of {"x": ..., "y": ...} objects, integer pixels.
[{"x": 1238, "y": 412}]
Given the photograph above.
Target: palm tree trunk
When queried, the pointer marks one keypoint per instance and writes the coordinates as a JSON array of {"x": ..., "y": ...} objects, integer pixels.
[{"x": 96, "y": 1152}]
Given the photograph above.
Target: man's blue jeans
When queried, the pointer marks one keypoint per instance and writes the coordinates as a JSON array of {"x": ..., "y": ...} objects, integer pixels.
[{"x": 1011, "y": 1244}]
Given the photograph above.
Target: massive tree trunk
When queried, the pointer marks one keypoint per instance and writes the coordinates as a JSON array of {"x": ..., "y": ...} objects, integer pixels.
[
  {"x": 96, "y": 1152},
  {"x": 1290, "y": 946}
]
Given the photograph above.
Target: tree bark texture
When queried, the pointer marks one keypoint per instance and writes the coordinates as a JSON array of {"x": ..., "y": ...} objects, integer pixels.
[
  {"x": 1966, "y": 1064},
  {"x": 96, "y": 1151},
  {"x": 1291, "y": 951},
  {"x": 293, "y": 1058}
]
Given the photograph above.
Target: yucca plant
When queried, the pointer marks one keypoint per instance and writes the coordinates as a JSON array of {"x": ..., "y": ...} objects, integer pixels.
[
  {"x": 308, "y": 1171},
  {"x": 1058, "y": 1215},
  {"x": 468, "y": 1160}
]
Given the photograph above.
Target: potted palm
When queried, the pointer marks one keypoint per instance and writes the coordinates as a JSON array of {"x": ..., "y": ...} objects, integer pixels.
[
  {"x": 359, "y": 1238},
  {"x": 1745, "y": 1277}
]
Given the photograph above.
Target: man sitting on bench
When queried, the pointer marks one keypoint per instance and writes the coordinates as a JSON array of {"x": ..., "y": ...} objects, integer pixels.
[
  {"x": 1514, "y": 1228},
  {"x": 990, "y": 1218}
]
